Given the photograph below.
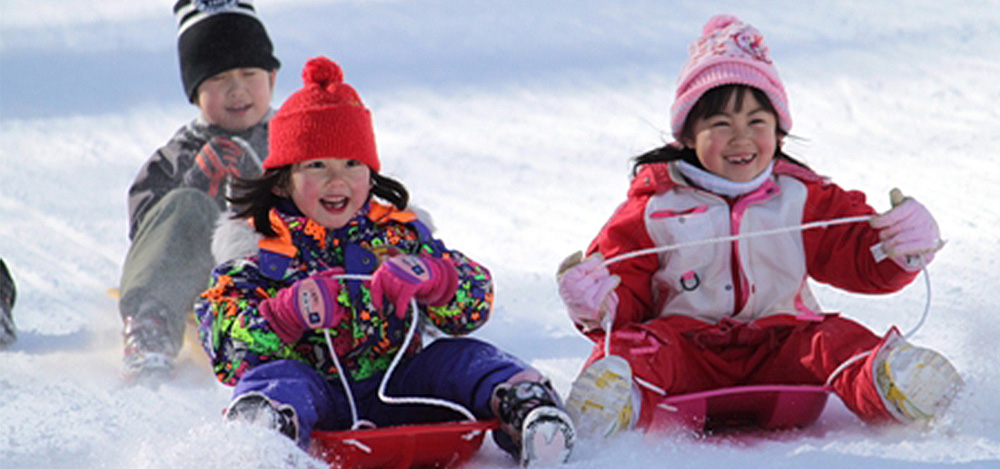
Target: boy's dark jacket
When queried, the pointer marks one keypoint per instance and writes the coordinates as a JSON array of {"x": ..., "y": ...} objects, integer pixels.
[{"x": 164, "y": 171}]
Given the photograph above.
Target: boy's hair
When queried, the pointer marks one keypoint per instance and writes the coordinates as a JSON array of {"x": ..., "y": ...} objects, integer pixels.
[
  {"x": 710, "y": 103},
  {"x": 254, "y": 198},
  {"x": 218, "y": 35}
]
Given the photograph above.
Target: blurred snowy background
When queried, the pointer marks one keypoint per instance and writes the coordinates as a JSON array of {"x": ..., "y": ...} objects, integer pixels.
[{"x": 513, "y": 123}]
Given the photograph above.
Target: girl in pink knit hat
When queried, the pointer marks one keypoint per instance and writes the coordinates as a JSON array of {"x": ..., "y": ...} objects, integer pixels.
[
  {"x": 313, "y": 298},
  {"x": 698, "y": 301}
]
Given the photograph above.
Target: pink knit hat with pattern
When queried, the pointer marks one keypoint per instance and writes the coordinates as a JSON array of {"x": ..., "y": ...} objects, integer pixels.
[{"x": 729, "y": 52}]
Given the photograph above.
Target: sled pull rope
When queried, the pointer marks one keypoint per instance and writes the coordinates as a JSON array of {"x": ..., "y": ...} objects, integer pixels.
[
  {"x": 862, "y": 355},
  {"x": 753, "y": 234},
  {"x": 608, "y": 323},
  {"x": 356, "y": 423}
]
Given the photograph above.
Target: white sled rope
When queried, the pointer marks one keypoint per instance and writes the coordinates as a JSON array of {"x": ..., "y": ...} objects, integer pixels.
[{"x": 358, "y": 423}]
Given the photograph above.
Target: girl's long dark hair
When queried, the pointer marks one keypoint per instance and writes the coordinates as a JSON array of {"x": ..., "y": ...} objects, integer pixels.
[
  {"x": 710, "y": 103},
  {"x": 254, "y": 198}
]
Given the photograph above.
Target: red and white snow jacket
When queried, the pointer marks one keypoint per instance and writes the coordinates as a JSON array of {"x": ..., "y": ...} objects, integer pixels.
[{"x": 745, "y": 279}]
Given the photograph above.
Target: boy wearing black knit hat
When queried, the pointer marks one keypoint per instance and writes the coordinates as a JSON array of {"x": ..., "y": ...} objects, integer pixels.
[{"x": 228, "y": 71}]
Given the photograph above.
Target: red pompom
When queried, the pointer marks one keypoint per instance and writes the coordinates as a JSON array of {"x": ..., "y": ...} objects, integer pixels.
[
  {"x": 718, "y": 22},
  {"x": 323, "y": 72}
]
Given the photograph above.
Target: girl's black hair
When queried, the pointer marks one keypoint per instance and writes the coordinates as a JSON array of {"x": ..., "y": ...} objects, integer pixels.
[
  {"x": 254, "y": 198},
  {"x": 710, "y": 103}
]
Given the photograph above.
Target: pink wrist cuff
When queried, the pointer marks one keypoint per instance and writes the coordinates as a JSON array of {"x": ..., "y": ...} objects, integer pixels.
[{"x": 445, "y": 288}]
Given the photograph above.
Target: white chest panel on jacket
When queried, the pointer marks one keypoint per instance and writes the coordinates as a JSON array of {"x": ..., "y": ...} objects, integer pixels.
[{"x": 699, "y": 282}]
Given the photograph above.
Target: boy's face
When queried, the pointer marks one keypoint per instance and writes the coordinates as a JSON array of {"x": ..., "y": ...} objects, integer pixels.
[{"x": 237, "y": 98}]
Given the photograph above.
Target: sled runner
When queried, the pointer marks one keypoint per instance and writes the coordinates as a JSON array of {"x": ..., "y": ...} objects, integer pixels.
[
  {"x": 767, "y": 407},
  {"x": 432, "y": 445}
]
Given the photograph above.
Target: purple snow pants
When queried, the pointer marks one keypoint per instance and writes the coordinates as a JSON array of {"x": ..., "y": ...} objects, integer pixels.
[{"x": 462, "y": 370}]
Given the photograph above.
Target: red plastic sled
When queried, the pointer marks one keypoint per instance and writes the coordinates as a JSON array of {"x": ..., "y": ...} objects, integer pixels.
[
  {"x": 768, "y": 407},
  {"x": 431, "y": 445}
]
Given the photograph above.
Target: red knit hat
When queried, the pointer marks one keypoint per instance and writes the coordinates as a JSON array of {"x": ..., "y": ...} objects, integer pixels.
[{"x": 325, "y": 119}]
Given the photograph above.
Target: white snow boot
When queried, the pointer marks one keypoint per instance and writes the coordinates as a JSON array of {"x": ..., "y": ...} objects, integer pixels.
[
  {"x": 530, "y": 413},
  {"x": 916, "y": 384},
  {"x": 601, "y": 401}
]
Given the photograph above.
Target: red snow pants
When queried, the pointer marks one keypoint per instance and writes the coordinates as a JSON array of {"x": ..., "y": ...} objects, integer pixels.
[{"x": 679, "y": 355}]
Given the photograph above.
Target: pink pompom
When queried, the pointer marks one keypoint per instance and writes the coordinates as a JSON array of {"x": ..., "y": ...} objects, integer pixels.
[
  {"x": 718, "y": 22},
  {"x": 322, "y": 72}
]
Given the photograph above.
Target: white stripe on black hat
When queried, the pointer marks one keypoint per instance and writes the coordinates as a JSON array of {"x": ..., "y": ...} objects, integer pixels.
[{"x": 190, "y": 12}]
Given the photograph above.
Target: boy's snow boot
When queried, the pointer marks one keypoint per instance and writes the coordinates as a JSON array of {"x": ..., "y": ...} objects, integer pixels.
[
  {"x": 601, "y": 400},
  {"x": 257, "y": 409},
  {"x": 8, "y": 293},
  {"x": 530, "y": 413},
  {"x": 149, "y": 349},
  {"x": 916, "y": 384}
]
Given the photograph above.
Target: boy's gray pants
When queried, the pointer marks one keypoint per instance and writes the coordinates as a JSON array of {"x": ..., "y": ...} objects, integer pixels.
[{"x": 170, "y": 260}]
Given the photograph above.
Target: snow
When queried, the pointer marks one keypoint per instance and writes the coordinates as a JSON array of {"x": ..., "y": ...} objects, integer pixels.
[{"x": 512, "y": 122}]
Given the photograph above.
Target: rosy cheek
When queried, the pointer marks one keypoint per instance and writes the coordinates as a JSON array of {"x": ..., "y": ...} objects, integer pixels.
[{"x": 714, "y": 148}]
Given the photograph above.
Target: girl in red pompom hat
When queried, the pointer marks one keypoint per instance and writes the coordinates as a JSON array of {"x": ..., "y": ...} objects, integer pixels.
[
  {"x": 312, "y": 298},
  {"x": 700, "y": 279}
]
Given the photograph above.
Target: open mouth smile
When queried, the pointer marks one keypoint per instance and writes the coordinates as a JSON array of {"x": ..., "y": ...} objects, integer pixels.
[
  {"x": 239, "y": 109},
  {"x": 741, "y": 159},
  {"x": 334, "y": 204}
]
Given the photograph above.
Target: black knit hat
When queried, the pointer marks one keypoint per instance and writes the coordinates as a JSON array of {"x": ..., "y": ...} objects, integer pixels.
[{"x": 218, "y": 35}]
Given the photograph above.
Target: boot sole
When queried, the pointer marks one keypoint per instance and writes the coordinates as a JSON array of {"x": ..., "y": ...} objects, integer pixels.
[{"x": 547, "y": 438}]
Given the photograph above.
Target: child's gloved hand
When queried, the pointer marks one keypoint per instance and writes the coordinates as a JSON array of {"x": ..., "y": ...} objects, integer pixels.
[
  {"x": 220, "y": 158},
  {"x": 588, "y": 289},
  {"x": 310, "y": 303},
  {"x": 908, "y": 233},
  {"x": 430, "y": 280}
]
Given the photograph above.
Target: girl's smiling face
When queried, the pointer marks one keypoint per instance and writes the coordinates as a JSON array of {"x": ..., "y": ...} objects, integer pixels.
[
  {"x": 330, "y": 191},
  {"x": 739, "y": 141}
]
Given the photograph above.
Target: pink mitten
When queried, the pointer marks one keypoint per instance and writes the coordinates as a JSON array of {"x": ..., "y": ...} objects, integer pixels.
[
  {"x": 310, "y": 303},
  {"x": 430, "y": 280},
  {"x": 908, "y": 233},
  {"x": 588, "y": 289}
]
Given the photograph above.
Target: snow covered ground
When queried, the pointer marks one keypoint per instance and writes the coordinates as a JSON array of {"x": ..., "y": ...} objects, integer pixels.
[{"x": 513, "y": 123}]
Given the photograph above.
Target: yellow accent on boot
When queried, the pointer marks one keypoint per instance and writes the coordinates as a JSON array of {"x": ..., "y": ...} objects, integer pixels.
[
  {"x": 608, "y": 378},
  {"x": 915, "y": 383},
  {"x": 600, "y": 400}
]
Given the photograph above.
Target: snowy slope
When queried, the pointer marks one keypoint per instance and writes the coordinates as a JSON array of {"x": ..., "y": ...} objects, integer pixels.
[{"x": 537, "y": 106}]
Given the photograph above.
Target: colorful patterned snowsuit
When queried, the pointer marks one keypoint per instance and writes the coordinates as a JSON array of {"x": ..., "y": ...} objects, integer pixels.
[{"x": 246, "y": 352}]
